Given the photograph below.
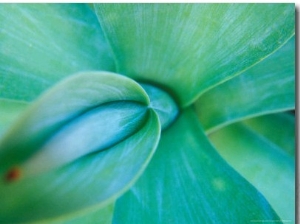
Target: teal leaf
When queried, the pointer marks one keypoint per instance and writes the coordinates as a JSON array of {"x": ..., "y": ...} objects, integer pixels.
[
  {"x": 278, "y": 128},
  {"x": 91, "y": 182},
  {"x": 93, "y": 131},
  {"x": 103, "y": 216},
  {"x": 265, "y": 88},
  {"x": 189, "y": 48},
  {"x": 269, "y": 168},
  {"x": 41, "y": 44},
  {"x": 163, "y": 104},
  {"x": 77, "y": 107},
  {"x": 188, "y": 182},
  {"x": 10, "y": 110}
]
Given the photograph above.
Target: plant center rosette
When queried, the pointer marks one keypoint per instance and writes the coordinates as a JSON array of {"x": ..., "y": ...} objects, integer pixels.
[{"x": 87, "y": 119}]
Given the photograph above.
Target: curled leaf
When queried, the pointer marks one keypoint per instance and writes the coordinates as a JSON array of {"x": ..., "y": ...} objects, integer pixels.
[
  {"x": 71, "y": 108},
  {"x": 58, "y": 146},
  {"x": 89, "y": 183}
]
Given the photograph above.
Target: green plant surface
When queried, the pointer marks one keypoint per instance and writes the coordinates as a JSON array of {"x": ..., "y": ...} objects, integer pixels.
[
  {"x": 10, "y": 110},
  {"x": 265, "y": 88},
  {"x": 40, "y": 44},
  {"x": 266, "y": 164},
  {"x": 103, "y": 216},
  {"x": 190, "y": 46},
  {"x": 89, "y": 183},
  {"x": 279, "y": 128},
  {"x": 186, "y": 170},
  {"x": 139, "y": 113},
  {"x": 74, "y": 106}
]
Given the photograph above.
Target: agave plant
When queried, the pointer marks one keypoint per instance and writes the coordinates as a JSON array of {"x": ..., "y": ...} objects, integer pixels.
[{"x": 147, "y": 113}]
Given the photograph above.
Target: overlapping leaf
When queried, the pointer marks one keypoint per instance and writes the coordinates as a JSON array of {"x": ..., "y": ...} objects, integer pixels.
[
  {"x": 9, "y": 112},
  {"x": 51, "y": 146},
  {"x": 267, "y": 87},
  {"x": 279, "y": 128},
  {"x": 43, "y": 43},
  {"x": 186, "y": 49},
  {"x": 72, "y": 99},
  {"x": 188, "y": 182},
  {"x": 92, "y": 181},
  {"x": 103, "y": 216},
  {"x": 262, "y": 162},
  {"x": 190, "y": 48}
]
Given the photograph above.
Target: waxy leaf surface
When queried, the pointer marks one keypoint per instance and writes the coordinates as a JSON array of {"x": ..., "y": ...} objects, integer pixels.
[
  {"x": 269, "y": 168},
  {"x": 88, "y": 183},
  {"x": 267, "y": 87},
  {"x": 189, "y": 48},
  {"x": 103, "y": 215},
  {"x": 42, "y": 43},
  {"x": 188, "y": 182},
  {"x": 10, "y": 110},
  {"x": 75, "y": 98},
  {"x": 279, "y": 128}
]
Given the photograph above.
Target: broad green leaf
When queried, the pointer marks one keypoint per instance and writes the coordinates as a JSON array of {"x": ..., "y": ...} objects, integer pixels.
[
  {"x": 91, "y": 182},
  {"x": 188, "y": 182},
  {"x": 279, "y": 128},
  {"x": 75, "y": 107},
  {"x": 101, "y": 216},
  {"x": 42, "y": 43},
  {"x": 265, "y": 88},
  {"x": 262, "y": 163},
  {"x": 189, "y": 48},
  {"x": 10, "y": 110}
]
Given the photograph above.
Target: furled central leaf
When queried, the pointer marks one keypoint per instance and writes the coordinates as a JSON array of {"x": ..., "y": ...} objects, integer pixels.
[
  {"x": 57, "y": 143},
  {"x": 84, "y": 185},
  {"x": 74, "y": 108}
]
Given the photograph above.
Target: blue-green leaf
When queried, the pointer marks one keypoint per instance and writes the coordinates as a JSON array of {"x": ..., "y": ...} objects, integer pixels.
[
  {"x": 189, "y": 48},
  {"x": 264, "y": 164},
  {"x": 265, "y": 88},
  {"x": 163, "y": 104},
  {"x": 72, "y": 108},
  {"x": 102, "y": 215},
  {"x": 88, "y": 183},
  {"x": 41, "y": 44},
  {"x": 279, "y": 128},
  {"x": 188, "y": 182},
  {"x": 10, "y": 110}
]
